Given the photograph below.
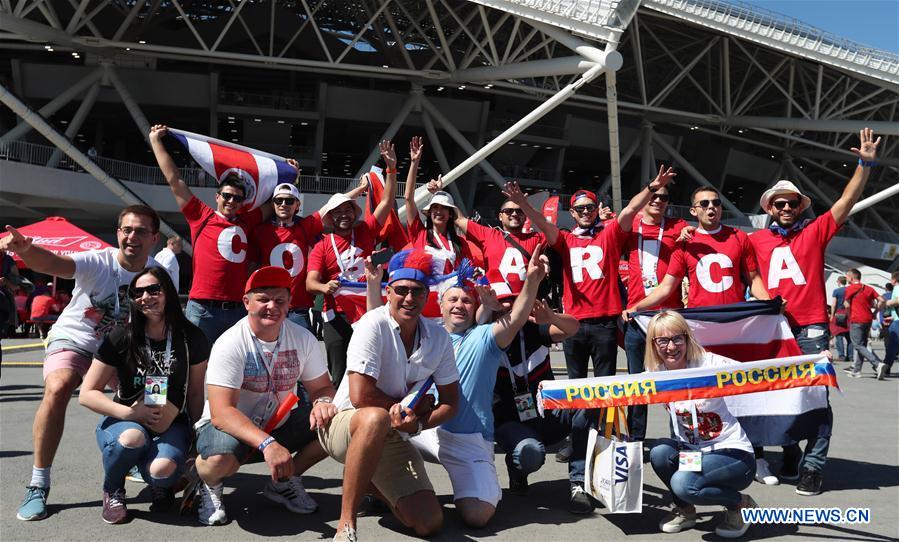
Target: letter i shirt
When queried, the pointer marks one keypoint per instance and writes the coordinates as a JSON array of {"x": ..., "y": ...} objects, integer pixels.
[
  {"x": 793, "y": 268},
  {"x": 715, "y": 262},
  {"x": 590, "y": 271}
]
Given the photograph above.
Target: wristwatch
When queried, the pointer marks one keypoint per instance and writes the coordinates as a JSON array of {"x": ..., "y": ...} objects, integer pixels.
[{"x": 417, "y": 431}]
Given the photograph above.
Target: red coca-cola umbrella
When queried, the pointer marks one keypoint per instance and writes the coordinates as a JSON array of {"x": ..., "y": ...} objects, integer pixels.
[{"x": 60, "y": 236}]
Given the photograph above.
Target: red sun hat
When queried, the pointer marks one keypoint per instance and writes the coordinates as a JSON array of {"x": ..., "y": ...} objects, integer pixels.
[{"x": 268, "y": 277}]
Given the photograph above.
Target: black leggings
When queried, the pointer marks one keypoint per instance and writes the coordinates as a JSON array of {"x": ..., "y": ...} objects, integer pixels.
[{"x": 337, "y": 334}]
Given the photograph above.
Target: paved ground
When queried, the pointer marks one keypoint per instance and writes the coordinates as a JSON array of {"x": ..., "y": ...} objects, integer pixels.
[{"x": 863, "y": 471}]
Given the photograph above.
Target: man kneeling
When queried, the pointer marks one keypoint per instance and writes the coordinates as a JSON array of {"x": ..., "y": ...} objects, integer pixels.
[{"x": 253, "y": 368}]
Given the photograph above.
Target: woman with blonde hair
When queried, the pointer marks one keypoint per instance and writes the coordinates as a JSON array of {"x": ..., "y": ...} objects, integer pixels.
[{"x": 718, "y": 461}]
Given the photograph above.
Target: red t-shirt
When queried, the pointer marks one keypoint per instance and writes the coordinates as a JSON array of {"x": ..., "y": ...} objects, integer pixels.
[
  {"x": 793, "y": 268},
  {"x": 500, "y": 254},
  {"x": 590, "y": 271},
  {"x": 862, "y": 296},
  {"x": 353, "y": 249},
  {"x": 43, "y": 305},
  {"x": 447, "y": 254},
  {"x": 656, "y": 253},
  {"x": 220, "y": 251},
  {"x": 715, "y": 264},
  {"x": 288, "y": 247}
]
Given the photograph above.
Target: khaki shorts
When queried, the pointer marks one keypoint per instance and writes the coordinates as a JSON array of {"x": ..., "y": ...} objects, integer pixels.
[{"x": 401, "y": 471}]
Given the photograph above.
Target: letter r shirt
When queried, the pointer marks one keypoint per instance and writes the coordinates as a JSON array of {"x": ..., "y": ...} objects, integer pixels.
[
  {"x": 590, "y": 271},
  {"x": 793, "y": 268},
  {"x": 715, "y": 263}
]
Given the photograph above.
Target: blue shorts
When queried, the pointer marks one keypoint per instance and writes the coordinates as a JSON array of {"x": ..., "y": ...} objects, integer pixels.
[{"x": 294, "y": 434}]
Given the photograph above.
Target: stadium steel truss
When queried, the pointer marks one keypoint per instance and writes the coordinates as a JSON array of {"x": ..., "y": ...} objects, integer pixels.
[{"x": 730, "y": 71}]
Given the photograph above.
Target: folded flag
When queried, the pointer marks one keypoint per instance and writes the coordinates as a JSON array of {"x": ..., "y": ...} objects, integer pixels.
[
  {"x": 260, "y": 171},
  {"x": 392, "y": 231}
]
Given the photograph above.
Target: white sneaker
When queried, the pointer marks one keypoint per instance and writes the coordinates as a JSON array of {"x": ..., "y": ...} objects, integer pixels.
[
  {"x": 291, "y": 494},
  {"x": 881, "y": 371},
  {"x": 211, "y": 510},
  {"x": 678, "y": 520},
  {"x": 763, "y": 473}
]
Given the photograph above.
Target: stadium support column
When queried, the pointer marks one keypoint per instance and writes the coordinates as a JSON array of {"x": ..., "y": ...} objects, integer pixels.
[
  {"x": 614, "y": 156},
  {"x": 75, "y": 124},
  {"x": 54, "y": 105},
  {"x": 646, "y": 163},
  {"x": 130, "y": 104},
  {"x": 391, "y": 130},
  {"x": 116, "y": 187},
  {"x": 628, "y": 154}
]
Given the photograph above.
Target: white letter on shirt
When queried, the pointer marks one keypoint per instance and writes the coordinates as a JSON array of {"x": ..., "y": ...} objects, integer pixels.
[
  {"x": 703, "y": 273},
  {"x": 512, "y": 263},
  {"x": 784, "y": 266},
  {"x": 277, "y": 258},
  {"x": 585, "y": 258},
  {"x": 226, "y": 244}
]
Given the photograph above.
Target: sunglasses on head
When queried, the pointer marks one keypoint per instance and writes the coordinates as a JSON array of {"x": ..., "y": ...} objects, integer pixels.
[
  {"x": 403, "y": 291},
  {"x": 660, "y": 197},
  {"x": 230, "y": 196},
  {"x": 284, "y": 201},
  {"x": 509, "y": 211},
  {"x": 678, "y": 340},
  {"x": 586, "y": 208},
  {"x": 138, "y": 292},
  {"x": 780, "y": 204},
  {"x": 708, "y": 202}
]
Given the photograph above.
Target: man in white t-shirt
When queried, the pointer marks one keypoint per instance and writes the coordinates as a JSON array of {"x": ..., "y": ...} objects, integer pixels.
[
  {"x": 99, "y": 303},
  {"x": 253, "y": 368},
  {"x": 168, "y": 258},
  {"x": 393, "y": 352}
]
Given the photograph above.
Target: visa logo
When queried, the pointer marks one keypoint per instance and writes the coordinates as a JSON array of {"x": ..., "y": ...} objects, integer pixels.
[{"x": 621, "y": 464}]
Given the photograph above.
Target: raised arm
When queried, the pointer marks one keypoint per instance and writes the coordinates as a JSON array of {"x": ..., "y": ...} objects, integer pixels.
[
  {"x": 506, "y": 328},
  {"x": 37, "y": 258},
  {"x": 415, "y": 149},
  {"x": 373, "y": 275},
  {"x": 169, "y": 170},
  {"x": 388, "y": 153},
  {"x": 626, "y": 216},
  {"x": 561, "y": 326},
  {"x": 515, "y": 195},
  {"x": 866, "y": 152}
]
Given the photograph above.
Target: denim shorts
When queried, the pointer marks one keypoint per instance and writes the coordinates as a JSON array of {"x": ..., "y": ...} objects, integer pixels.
[{"x": 294, "y": 434}]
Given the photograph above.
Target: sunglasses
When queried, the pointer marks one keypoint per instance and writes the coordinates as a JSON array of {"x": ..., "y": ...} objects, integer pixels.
[
  {"x": 230, "y": 196},
  {"x": 509, "y": 211},
  {"x": 661, "y": 197},
  {"x": 708, "y": 202},
  {"x": 780, "y": 204},
  {"x": 284, "y": 201},
  {"x": 137, "y": 293},
  {"x": 678, "y": 340},
  {"x": 403, "y": 291},
  {"x": 586, "y": 208},
  {"x": 126, "y": 231}
]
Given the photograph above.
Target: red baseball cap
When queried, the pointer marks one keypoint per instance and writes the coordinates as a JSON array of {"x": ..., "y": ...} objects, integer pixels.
[
  {"x": 268, "y": 277},
  {"x": 582, "y": 194}
]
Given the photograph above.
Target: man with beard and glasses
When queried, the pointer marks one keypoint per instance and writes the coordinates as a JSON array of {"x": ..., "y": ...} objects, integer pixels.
[
  {"x": 98, "y": 306},
  {"x": 790, "y": 256}
]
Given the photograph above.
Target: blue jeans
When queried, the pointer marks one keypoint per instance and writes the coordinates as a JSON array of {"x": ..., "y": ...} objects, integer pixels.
[
  {"x": 524, "y": 443},
  {"x": 635, "y": 349},
  {"x": 724, "y": 474},
  {"x": 815, "y": 449},
  {"x": 294, "y": 434},
  {"x": 892, "y": 344},
  {"x": 211, "y": 319},
  {"x": 596, "y": 339},
  {"x": 118, "y": 459},
  {"x": 300, "y": 316},
  {"x": 859, "y": 334},
  {"x": 844, "y": 346}
]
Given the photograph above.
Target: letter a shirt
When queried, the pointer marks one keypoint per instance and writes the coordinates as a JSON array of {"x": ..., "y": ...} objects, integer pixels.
[
  {"x": 590, "y": 271},
  {"x": 793, "y": 268},
  {"x": 715, "y": 262}
]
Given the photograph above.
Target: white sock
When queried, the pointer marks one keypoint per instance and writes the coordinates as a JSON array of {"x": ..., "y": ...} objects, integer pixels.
[{"x": 40, "y": 477}]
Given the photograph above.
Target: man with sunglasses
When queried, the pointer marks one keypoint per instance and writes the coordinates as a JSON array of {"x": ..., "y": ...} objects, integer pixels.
[
  {"x": 285, "y": 242},
  {"x": 99, "y": 304},
  {"x": 219, "y": 238},
  {"x": 790, "y": 255}
]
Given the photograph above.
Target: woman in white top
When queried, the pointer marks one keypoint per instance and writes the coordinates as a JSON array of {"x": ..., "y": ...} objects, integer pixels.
[{"x": 712, "y": 437}]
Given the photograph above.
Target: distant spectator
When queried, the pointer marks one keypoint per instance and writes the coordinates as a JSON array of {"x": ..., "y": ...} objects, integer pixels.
[
  {"x": 860, "y": 299},
  {"x": 44, "y": 311},
  {"x": 168, "y": 258}
]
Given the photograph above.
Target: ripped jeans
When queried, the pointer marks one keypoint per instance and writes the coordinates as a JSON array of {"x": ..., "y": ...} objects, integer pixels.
[{"x": 118, "y": 459}]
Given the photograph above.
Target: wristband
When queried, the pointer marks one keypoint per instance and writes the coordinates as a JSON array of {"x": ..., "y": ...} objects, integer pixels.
[
  {"x": 388, "y": 171},
  {"x": 418, "y": 431},
  {"x": 266, "y": 442},
  {"x": 322, "y": 400},
  {"x": 863, "y": 163}
]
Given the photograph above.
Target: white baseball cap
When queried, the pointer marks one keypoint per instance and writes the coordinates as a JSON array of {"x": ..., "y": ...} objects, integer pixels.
[
  {"x": 441, "y": 198},
  {"x": 783, "y": 187},
  {"x": 286, "y": 189}
]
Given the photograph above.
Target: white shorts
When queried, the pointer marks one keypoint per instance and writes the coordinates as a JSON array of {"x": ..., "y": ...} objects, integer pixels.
[{"x": 467, "y": 458}]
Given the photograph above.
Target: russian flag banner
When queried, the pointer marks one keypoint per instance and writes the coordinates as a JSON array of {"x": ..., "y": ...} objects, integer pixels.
[{"x": 260, "y": 171}]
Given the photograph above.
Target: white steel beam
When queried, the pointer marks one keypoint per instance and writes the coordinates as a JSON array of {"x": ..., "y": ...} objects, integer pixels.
[
  {"x": 570, "y": 65},
  {"x": 130, "y": 104}
]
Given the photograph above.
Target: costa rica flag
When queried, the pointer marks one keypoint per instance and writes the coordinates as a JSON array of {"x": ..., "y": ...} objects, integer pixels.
[
  {"x": 392, "y": 231},
  {"x": 260, "y": 171}
]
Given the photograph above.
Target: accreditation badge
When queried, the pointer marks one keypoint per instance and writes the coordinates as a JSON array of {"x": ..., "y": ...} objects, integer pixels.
[
  {"x": 690, "y": 461},
  {"x": 649, "y": 284},
  {"x": 155, "y": 390},
  {"x": 526, "y": 407}
]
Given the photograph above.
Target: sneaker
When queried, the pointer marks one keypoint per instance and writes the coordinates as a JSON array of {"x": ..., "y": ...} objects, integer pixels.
[
  {"x": 564, "y": 453},
  {"x": 114, "y": 509},
  {"x": 211, "y": 510},
  {"x": 763, "y": 473},
  {"x": 810, "y": 483},
  {"x": 853, "y": 373},
  {"x": 580, "y": 503},
  {"x": 680, "y": 519},
  {"x": 34, "y": 507},
  {"x": 881, "y": 371},
  {"x": 163, "y": 499},
  {"x": 134, "y": 475},
  {"x": 733, "y": 525},
  {"x": 291, "y": 494},
  {"x": 518, "y": 483},
  {"x": 345, "y": 534}
]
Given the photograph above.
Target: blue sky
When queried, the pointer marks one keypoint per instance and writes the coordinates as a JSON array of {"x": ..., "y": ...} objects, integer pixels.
[{"x": 869, "y": 22}]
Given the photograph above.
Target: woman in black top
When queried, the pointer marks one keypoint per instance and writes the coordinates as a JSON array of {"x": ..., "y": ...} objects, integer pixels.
[{"x": 161, "y": 343}]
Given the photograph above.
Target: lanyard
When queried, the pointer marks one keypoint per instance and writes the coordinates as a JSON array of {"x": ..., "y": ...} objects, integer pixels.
[
  {"x": 677, "y": 427},
  {"x": 439, "y": 241},
  {"x": 118, "y": 281},
  {"x": 649, "y": 275},
  {"x": 167, "y": 360},
  {"x": 269, "y": 371},
  {"x": 508, "y": 364},
  {"x": 337, "y": 255}
]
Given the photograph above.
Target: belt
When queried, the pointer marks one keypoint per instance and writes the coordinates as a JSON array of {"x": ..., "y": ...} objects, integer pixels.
[
  {"x": 598, "y": 320},
  {"x": 224, "y": 305}
]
